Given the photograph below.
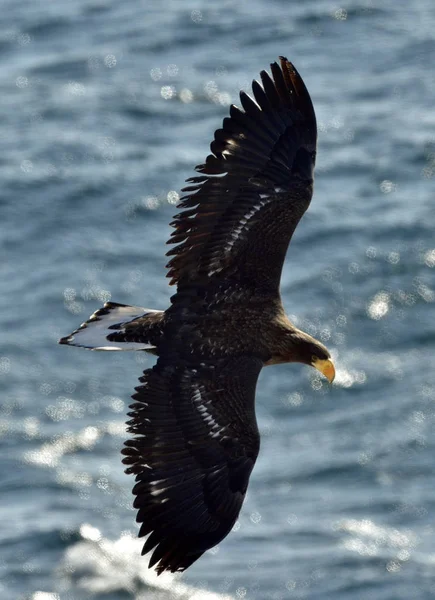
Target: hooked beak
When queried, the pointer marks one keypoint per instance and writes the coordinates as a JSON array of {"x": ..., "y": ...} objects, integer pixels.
[{"x": 326, "y": 367}]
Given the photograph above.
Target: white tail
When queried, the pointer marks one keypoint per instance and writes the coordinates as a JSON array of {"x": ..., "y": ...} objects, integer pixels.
[{"x": 110, "y": 319}]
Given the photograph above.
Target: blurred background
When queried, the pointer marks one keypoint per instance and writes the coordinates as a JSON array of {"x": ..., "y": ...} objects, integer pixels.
[{"x": 106, "y": 108}]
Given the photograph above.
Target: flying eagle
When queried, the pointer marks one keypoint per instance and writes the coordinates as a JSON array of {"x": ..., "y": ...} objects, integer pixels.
[{"x": 194, "y": 432}]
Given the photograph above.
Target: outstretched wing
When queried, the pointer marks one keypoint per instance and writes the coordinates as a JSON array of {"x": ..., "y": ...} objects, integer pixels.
[
  {"x": 194, "y": 446},
  {"x": 256, "y": 185}
]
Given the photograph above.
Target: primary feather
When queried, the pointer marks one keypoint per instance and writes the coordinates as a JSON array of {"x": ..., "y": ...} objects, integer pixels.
[{"x": 255, "y": 187}]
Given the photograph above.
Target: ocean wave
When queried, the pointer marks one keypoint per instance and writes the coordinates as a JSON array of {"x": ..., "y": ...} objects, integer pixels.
[{"x": 99, "y": 566}]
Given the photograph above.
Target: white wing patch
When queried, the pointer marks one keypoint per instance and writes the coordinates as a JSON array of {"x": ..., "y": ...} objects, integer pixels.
[
  {"x": 216, "y": 430},
  {"x": 111, "y": 318},
  {"x": 239, "y": 230}
]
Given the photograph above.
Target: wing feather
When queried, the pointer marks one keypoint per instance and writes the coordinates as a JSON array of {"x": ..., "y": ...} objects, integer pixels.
[
  {"x": 194, "y": 446},
  {"x": 254, "y": 188}
]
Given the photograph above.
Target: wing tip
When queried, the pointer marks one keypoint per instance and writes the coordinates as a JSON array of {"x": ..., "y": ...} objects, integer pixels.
[
  {"x": 295, "y": 82},
  {"x": 287, "y": 66},
  {"x": 282, "y": 89}
]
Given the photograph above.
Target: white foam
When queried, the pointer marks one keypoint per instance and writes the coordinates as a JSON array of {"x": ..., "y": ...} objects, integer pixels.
[{"x": 99, "y": 566}]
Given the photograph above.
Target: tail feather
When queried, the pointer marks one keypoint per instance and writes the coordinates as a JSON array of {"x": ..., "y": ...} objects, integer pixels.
[{"x": 118, "y": 327}]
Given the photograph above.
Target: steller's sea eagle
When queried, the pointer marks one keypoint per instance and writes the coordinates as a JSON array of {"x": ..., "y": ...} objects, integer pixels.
[{"x": 194, "y": 433}]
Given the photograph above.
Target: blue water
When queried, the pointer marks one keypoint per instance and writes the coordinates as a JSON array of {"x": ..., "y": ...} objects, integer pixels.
[{"x": 105, "y": 108}]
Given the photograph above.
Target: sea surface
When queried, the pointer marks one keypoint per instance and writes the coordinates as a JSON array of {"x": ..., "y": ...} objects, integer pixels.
[{"x": 105, "y": 108}]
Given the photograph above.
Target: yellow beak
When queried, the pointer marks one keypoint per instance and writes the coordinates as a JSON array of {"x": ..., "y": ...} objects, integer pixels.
[{"x": 326, "y": 367}]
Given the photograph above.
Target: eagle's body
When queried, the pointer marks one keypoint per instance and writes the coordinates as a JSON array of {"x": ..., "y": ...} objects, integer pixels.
[{"x": 195, "y": 438}]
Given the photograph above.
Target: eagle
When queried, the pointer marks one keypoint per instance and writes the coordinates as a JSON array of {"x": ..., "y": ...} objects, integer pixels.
[{"x": 194, "y": 436}]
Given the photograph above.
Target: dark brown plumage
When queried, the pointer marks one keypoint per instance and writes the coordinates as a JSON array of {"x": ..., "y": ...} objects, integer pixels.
[
  {"x": 194, "y": 432},
  {"x": 257, "y": 181}
]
